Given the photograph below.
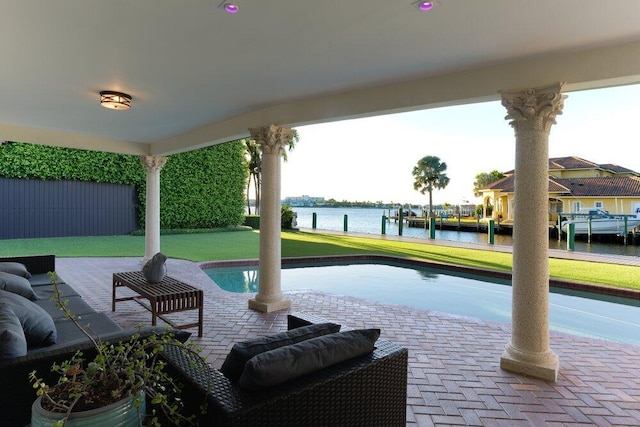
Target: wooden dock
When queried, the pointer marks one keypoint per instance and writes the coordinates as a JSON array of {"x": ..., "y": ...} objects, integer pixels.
[
  {"x": 454, "y": 224},
  {"x": 506, "y": 228}
]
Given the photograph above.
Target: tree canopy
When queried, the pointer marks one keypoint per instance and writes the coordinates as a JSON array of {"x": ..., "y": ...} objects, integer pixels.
[
  {"x": 485, "y": 178},
  {"x": 430, "y": 174}
]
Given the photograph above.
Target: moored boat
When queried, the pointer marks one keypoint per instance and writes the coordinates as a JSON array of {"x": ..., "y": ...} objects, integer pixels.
[{"x": 600, "y": 221}]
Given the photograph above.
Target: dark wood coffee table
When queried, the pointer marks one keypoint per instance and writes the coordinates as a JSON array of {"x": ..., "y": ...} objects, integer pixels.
[{"x": 168, "y": 296}]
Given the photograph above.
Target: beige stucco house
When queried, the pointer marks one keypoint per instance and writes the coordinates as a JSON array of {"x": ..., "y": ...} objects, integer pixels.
[{"x": 574, "y": 184}]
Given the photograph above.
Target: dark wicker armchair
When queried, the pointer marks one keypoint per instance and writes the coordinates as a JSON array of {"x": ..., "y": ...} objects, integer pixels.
[{"x": 364, "y": 391}]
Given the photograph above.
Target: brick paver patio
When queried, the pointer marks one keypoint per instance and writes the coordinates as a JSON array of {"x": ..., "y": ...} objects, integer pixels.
[{"x": 454, "y": 374}]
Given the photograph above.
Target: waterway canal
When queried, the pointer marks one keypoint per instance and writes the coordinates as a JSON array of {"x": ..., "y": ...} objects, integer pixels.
[{"x": 369, "y": 220}]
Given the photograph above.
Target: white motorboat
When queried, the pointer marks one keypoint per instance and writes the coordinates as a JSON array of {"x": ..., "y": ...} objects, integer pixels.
[{"x": 602, "y": 222}]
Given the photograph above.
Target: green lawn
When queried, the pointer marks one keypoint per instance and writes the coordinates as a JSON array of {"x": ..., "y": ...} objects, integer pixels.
[{"x": 245, "y": 244}]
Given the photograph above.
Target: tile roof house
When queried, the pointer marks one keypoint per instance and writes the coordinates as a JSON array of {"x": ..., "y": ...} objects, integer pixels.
[{"x": 574, "y": 183}]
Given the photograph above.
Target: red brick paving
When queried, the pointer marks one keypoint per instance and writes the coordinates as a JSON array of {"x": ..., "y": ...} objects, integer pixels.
[{"x": 454, "y": 376}]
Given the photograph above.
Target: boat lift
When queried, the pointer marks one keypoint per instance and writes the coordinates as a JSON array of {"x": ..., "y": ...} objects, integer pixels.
[{"x": 571, "y": 217}]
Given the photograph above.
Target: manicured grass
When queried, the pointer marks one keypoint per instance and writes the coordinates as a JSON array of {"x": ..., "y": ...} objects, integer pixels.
[
  {"x": 195, "y": 247},
  {"x": 308, "y": 244},
  {"x": 245, "y": 245}
]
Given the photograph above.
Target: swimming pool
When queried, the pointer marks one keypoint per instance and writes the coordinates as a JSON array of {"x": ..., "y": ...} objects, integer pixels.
[{"x": 480, "y": 297}]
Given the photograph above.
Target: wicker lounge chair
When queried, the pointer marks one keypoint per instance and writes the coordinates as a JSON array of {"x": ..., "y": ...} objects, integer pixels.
[{"x": 363, "y": 391}]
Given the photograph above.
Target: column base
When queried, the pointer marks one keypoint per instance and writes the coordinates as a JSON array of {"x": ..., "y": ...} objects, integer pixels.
[
  {"x": 268, "y": 307},
  {"x": 544, "y": 366}
]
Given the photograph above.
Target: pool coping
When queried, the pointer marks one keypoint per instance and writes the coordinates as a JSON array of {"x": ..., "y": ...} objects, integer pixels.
[{"x": 558, "y": 283}]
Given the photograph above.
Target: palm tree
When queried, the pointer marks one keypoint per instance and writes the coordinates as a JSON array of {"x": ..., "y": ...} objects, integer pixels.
[
  {"x": 253, "y": 157},
  {"x": 254, "y": 165},
  {"x": 430, "y": 174}
]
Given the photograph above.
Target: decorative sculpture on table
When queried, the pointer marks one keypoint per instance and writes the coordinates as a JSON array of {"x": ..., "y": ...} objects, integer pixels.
[{"x": 155, "y": 269}]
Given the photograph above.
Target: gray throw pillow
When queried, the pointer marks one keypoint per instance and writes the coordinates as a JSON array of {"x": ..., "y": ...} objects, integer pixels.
[
  {"x": 155, "y": 269},
  {"x": 15, "y": 268},
  {"x": 37, "y": 325},
  {"x": 286, "y": 363},
  {"x": 12, "y": 340},
  {"x": 16, "y": 284},
  {"x": 243, "y": 351}
]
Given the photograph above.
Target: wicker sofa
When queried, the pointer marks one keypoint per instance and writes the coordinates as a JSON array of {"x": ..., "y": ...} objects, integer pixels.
[
  {"x": 365, "y": 391},
  {"x": 16, "y": 393}
]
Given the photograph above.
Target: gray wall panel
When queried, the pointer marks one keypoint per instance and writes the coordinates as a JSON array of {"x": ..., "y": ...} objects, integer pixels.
[{"x": 36, "y": 208}]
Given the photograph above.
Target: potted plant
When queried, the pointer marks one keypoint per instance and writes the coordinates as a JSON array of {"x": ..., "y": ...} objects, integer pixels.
[{"x": 114, "y": 383}]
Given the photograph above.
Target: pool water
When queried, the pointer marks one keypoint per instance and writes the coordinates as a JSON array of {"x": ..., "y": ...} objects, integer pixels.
[{"x": 479, "y": 297}]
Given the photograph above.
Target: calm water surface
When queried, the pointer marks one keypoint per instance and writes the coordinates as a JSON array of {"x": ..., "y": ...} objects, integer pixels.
[
  {"x": 369, "y": 220},
  {"x": 479, "y": 297}
]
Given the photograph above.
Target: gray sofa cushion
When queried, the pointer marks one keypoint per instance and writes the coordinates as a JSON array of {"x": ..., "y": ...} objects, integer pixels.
[
  {"x": 40, "y": 279},
  {"x": 155, "y": 269},
  {"x": 16, "y": 284},
  {"x": 285, "y": 363},
  {"x": 243, "y": 351},
  {"x": 99, "y": 325},
  {"x": 72, "y": 339},
  {"x": 15, "y": 268},
  {"x": 76, "y": 305},
  {"x": 46, "y": 292},
  {"x": 12, "y": 340},
  {"x": 37, "y": 325}
]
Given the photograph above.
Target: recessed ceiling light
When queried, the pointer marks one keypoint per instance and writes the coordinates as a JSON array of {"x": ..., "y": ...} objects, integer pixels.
[
  {"x": 424, "y": 5},
  {"x": 231, "y": 8}
]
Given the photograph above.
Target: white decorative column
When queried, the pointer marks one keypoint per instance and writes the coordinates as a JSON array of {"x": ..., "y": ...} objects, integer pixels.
[
  {"x": 272, "y": 140},
  {"x": 532, "y": 113},
  {"x": 153, "y": 165}
]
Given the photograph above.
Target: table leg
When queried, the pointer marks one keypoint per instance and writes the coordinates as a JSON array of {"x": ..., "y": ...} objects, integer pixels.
[
  {"x": 154, "y": 310},
  {"x": 113, "y": 296},
  {"x": 200, "y": 317}
]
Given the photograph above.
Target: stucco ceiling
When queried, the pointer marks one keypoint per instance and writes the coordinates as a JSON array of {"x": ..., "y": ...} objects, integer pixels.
[{"x": 200, "y": 76}]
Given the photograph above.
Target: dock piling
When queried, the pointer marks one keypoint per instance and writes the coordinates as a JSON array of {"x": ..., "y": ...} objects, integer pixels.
[
  {"x": 571, "y": 237},
  {"x": 432, "y": 228},
  {"x": 559, "y": 228},
  {"x": 491, "y": 230}
]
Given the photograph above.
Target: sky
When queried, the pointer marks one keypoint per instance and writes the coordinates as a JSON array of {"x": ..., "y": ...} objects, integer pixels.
[{"x": 371, "y": 159}]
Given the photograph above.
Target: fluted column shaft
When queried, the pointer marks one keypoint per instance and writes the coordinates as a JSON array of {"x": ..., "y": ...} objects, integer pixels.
[
  {"x": 272, "y": 140},
  {"x": 532, "y": 113},
  {"x": 153, "y": 165}
]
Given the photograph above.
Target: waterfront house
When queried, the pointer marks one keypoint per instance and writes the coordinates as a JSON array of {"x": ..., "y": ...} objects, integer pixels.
[{"x": 574, "y": 184}]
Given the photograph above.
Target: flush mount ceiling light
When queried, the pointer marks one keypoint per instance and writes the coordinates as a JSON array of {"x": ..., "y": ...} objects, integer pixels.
[
  {"x": 115, "y": 100},
  {"x": 229, "y": 7},
  {"x": 424, "y": 6}
]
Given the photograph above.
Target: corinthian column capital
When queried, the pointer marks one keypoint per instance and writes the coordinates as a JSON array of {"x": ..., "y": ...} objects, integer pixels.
[
  {"x": 153, "y": 163},
  {"x": 533, "y": 109},
  {"x": 272, "y": 138}
]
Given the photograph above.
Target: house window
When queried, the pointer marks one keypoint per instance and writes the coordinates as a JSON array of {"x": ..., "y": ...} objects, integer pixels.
[
  {"x": 598, "y": 205},
  {"x": 576, "y": 206}
]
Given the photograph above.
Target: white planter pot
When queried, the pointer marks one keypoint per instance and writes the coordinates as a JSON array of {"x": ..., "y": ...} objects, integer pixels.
[{"x": 119, "y": 414}]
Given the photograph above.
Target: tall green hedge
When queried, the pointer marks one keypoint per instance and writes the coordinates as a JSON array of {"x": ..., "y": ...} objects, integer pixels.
[
  {"x": 204, "y": 188},
  {"x": 29, "y": 161},
  {"x": 199, "y": 189}
]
